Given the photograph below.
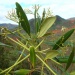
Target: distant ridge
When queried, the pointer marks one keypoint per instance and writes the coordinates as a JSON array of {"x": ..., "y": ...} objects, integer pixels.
[
  {"x": 68, "y": 23},
  {"x": 59, "y": 21},
  {"x": 8, "y": 25},
  {"x": 73, "y": 18}
]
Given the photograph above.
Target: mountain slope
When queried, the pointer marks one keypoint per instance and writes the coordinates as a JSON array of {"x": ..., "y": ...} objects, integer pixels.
[
  {"x": 68, "y": 23},
  {"x": 8, "y": 25}
]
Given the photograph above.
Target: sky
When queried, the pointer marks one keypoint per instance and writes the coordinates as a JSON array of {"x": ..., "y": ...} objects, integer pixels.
[{"x": 63, "y": 8}]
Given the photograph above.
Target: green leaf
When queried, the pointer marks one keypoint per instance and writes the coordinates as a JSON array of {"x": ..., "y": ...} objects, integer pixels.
[
  {"x": 43, "y": 15},
  {"x": 7, "y": 74},
  {"x": 49, "y": 68},
  {"x": 63, "y": 71},
  {"x": 2, "y": 44},
  {"x": 22, "y": 72},
  {"x": 23, "y": 21},
  {"x": 51, "y": 54},
  {"x": 46, "y": 24},
  {"x": 0, "y": 70},
  {"x": 72, "y": 73},
  {"x": 32, "y": 56},
  {"x": 70, "y": 59},
  {"x": 56, "y": 62},
  {"x": 38, "y": 22},
  {"x": 63, "y": 39},
  {"x": 65, "y": 59}
]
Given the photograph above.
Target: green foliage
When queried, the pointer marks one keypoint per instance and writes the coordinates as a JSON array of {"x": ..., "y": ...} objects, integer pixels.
[
  {"x": 30, "y": 46},
  {"x": 72, "y": 73},
  {"x": 23, "y": 21},
  {"x": 51, "y": 54},
  {"x": 22, "y": 72},
  {"x": 63, "y": 39},
  {"x": 32, "y": 56},
  {"x": 65, "y": 59},
  {"x": 46, "y": 24},
  {"x": 70, "y": 59},
  {"x": 2, "y": 44}
]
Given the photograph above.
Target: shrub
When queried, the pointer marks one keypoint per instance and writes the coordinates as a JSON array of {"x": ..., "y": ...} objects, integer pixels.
[{"x": 29, "y": 45}]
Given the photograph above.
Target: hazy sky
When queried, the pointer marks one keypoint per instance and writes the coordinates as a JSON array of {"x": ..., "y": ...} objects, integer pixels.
[{"x": 64, "y": 8}]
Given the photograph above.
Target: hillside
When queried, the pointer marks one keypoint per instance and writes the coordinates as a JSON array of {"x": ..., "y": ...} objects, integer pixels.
[
  {"x": 59, "y": 23},
  {"x": 8, "y": 25},
  {"x": 67, "y": 23},
  {"x": 73, "y": 19}
]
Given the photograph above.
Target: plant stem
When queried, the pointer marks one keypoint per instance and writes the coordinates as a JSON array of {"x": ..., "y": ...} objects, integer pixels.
[
  {"x": 15, "y": 64},
  {"x": 35, "y": 19},
  {"x": 42, "y": 69},
  {"x": 16, "y": 60},
  {"x": 46, "y": 65},
  {"x": 19, "y": 43}
]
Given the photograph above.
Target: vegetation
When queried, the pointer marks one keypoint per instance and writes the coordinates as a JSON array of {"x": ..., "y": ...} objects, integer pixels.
[{"x": 32, "y": 55}]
